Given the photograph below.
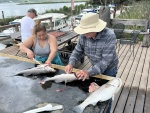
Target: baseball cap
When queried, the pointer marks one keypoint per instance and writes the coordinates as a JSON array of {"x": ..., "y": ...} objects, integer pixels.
[{"x": 33, "y": 11}]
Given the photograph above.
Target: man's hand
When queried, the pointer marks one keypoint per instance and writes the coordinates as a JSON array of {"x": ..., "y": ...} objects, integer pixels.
[
  {"x": 30, "y": 54},
  {"x": 68, "y": 69},
  {"x": 82, "y": 75}
]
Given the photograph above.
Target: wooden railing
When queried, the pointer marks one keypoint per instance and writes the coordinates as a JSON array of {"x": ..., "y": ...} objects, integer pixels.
[
  {"x": 138, "y": 23},
  {"x": 16, "y": 26},
  {"x": 132, "y": 22}
]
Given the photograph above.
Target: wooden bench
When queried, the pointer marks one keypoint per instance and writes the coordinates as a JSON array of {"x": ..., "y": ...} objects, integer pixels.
[{"x": 136, "y": 23}]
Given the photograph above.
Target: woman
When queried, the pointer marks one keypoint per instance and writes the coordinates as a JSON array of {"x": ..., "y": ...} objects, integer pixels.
[{"x": 41, "y": 46}]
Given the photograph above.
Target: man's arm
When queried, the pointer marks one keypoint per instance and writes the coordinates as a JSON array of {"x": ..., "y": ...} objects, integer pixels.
[{"x": 77, "y": 52}]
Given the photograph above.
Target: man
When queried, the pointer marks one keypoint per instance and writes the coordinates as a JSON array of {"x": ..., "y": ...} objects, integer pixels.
[
  {"x": 97, "y": 42},
  {"x": 27, "y": 24}
]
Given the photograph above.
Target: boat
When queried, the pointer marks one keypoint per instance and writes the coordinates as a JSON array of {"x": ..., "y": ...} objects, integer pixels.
[
  {"x": 72, "y": 22},
  {"x": 10, "y": 30},
  {"x": 7, "y": 32},
  {"x": 15, "y": 21},
  {"x": 2, "y": 46},
  {"x": 88, "y": 9},
  {"x": 58, "y": 20}
]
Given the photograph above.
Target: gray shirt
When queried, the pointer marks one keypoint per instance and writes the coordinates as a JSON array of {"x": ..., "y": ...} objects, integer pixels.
[
  {"x": 101, "y": 51},
  {"x": 41, "y": 51}
]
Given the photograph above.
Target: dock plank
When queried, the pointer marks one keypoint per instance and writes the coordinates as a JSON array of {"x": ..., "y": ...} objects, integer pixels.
[
  {"x": 121, "y": 67},
  {"x": 87, "y": 66},
  {"x": 133, "y": 89},
  {"x": 134, "y": 96},
  {"x": 121, "y": 50},
  {"x": 123, "y": 72},
  {"x": 123, "y": 95},
  {"x": 123, "y": 53},
  {"x": 86, "y": 60},
  {"x": 142, "y": 87},
  {"x": 147, "y": 99}
]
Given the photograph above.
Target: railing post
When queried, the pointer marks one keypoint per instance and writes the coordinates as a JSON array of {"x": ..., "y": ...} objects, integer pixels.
[
  {"x": 51, "y": 23},
  {"x": 16, "y": 27},
  {"x": 114, "y": 13}
]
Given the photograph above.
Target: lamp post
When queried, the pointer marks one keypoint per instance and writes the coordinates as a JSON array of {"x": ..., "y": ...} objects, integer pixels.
[{"x": 3, "y": 14}]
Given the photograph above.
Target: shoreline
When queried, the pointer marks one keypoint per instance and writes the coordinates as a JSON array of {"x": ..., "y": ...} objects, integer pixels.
[{"x": 49, "y": 2}]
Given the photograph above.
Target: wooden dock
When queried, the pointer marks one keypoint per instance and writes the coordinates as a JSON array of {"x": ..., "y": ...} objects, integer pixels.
[
  {"x": 134, "y": 71},
  {"x": 134, "y": 96}
]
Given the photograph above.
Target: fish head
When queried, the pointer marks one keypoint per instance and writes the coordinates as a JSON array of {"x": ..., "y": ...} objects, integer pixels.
[
  {"x": 47, "y": 68},
  {"x": 50, "y": 69},
  {"x": 116, "y": 82}
]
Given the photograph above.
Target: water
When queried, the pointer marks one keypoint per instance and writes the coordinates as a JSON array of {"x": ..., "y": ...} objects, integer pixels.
[{"x": 12, "y": 9}]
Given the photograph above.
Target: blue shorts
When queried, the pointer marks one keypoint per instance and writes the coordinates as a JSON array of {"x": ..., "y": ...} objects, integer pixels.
[{"x": 56, "y": 59}]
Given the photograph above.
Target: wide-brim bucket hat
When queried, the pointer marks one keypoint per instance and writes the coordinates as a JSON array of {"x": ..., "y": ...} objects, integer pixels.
[{"x": 90, "y": 22}]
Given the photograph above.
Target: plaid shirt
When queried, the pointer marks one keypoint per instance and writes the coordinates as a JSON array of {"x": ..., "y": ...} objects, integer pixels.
[{"x": 100, "y": 51}]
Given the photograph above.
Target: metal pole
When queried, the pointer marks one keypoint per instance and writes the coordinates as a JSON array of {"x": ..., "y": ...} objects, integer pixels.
[
  {"x": 71, "y": 7},
  {"x": 3, "y": 14},
  {"x": 71, "y": 15}
]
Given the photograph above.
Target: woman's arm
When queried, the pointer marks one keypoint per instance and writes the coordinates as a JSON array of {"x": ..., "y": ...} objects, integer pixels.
[
  {"x": 26, "y": 45},
  {"x": 53, "y": 48}
]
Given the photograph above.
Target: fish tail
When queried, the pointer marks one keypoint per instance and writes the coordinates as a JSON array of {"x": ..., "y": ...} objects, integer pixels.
[
  {"x": 79, "y": 108},
  {"x": 19, "y": 73},
  {"x": 24, "y": 71},
  {"x": 119, "y": 85}
]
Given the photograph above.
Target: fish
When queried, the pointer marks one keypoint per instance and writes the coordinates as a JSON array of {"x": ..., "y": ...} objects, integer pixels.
[
  {"x": 61, "y": 78},
  {"x": 48, "y": 107},
  {"x": 40, "y": 69},
  {"x": 103, "y": 93},
  {"x": 93, "y": 86}
]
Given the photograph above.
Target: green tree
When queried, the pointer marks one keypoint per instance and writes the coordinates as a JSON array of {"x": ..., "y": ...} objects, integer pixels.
[{"x": 65, "y": 9}]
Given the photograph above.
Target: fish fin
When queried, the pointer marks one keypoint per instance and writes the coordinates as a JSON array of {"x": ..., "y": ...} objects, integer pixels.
[
  {"x": 113, "y": 97},
  {"x": 78, "y": 109},
  {"x": 94, "y": 103},
  {"x": 58, "y": 81},
  {"x": 119, "y": 87}
]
